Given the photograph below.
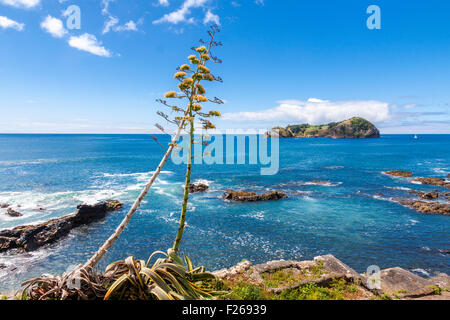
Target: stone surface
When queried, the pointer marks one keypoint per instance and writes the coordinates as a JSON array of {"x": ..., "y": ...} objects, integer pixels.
[
  {"x": 4, "y": 205},
  {"x": 441, "y": 281},
  {"x": 29, "y": 238},
  {"x": 251, "y": 196},
  {"x": 399, "y": 173},
  {"x": 13, "y": 213},
  {"x": 400, "y": 282},
  {"x": 334, "y": 265},
  {"x": 200, "y": 187},
  {"x": 426, "y": 207},
  {"x": 433, "y": 181}
]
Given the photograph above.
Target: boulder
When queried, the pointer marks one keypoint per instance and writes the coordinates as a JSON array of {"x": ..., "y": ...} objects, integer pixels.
[
  {"x": 251, "y": 196},
  {"x": 199, "y": 187},
  {"x": 426, "y": 195},
  {"x": 399, "y": 173},
  {"x": 336, "y": 266},
  {"x": 426, "y": 207},
  {"x": 32, "y": 237},
  {"x": 400, "y": 282},
  {"x": 4, "y": 205},
  {"x": 432, "y": 181},
  {"x": 441, "y": 281},
  {"x": 13, "y": 213}
]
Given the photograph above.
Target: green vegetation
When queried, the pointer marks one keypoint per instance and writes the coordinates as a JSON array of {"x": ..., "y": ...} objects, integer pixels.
[
  {"x": 353, "y": 128},
  {"x": 338, "y": 290}
]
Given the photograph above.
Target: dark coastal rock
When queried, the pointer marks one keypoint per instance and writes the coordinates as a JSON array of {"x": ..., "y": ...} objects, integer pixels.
[
  {"x": 320, "y": 182},
  {"x": 429, "y": 195},
  {"x": 29, "y": 238},
  {"x": 2, "y": 266},
  {"x": 432, "y": 181},
  {"x": 13, "y": 213},
  {"x": 426, "y": 207},
  {"x": 399, "y": 173},
  {"x": 348, "y": 129},
  {"x": 196, "y": 188},
  {"x": 4, "y": 205},
  {"x": 251, "y": 196}
]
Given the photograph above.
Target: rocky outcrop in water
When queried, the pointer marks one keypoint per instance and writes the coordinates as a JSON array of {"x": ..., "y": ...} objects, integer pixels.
[
  {"x": 426, "y": 207},
  {"x": 252, "y": 196},
  {"x": 399, "y": 173},
  {"x": 432, "y": 181},
  {"x": 197, "y": 188},
  {"x": 4, "y": 205},
  {"x": 29, "y": 238},
  {"x": 13, "y": 213},
  {"x": 348, "y": 129}
]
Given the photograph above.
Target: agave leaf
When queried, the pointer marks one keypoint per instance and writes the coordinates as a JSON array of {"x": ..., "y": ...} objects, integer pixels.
[
  {"x": 188, "y": 263},
  {"x": 174, "y": 282},
  {"x": 153, "y": 254},
  {"x": 160, "y": 294},
  {"x": 174, "y": 267},
  {"x": 116, "y": 285},
  {"x": 146, "y": 272},
  {"x": 202, "y": 276}
]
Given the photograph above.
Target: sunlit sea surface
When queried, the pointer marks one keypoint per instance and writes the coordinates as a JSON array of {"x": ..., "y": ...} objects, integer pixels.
[{"x": 352, "y": 217}]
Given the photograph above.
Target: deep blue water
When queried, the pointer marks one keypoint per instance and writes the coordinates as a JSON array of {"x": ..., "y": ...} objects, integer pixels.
[{"x": 347, "y": 218}]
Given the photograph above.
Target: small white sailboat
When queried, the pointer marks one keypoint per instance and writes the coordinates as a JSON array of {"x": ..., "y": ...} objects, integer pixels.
[{"x": 415, "y": 136}]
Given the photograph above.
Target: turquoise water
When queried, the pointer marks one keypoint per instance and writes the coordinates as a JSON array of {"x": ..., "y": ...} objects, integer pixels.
[{"x": 348, "y": 217}]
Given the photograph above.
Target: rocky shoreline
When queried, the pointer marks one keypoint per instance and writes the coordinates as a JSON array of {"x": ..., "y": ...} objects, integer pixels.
[
  {"x": 32, "y": 237},
  {"x": 428, "y": 202},
  {"x": 285, "y": 276}
]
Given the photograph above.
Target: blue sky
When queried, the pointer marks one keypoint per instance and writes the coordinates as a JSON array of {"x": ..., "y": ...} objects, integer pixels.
[{"x": 283, "y": 62}]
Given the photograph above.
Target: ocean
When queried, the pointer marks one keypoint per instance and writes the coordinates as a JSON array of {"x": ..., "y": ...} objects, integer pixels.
[{"x": 352, "y": 216}]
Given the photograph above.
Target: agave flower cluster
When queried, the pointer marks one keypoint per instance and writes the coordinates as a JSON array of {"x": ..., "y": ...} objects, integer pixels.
[{"x": 190, "y": 76}]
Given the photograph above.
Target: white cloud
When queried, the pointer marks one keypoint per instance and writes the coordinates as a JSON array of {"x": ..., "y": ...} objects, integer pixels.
[
  {"x": 109, "y": 24},
  {"x": 54, "y": 26},
  {"x": 88, "y": 42},
  {"x": 21, "y": 3},
  {"x": 211, "y": 17},
  {"x": 181, "y": 14},
  {"x": 316, "y": 111},
  {"x": 105, "y": 8},
  {"x": 164, "y": 3},
  {"x": 129, "y": 26},
  {"x": 6, "y": 23}
]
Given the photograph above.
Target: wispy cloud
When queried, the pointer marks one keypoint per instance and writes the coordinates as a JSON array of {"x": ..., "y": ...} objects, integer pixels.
[
  {"x": 7, "y": 23},
  {"x": 54, "y": 26},
  {"x": 181, "y": 15},
  {"x": 89, "y": 43},
  {"x": 164, "y": 3},
  {"x": 316, "y": 111},
  {"x": 211, "y": 17},
  {"x": 21, "y": 3},
  {"x": 109, "y": 24}
]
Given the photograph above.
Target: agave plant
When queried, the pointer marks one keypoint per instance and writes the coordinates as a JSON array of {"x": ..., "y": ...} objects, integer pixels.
[{"x": 167, "y": 279}]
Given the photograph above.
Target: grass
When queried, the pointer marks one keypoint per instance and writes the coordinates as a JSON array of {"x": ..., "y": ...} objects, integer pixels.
[{"x": 240, "y": 288}]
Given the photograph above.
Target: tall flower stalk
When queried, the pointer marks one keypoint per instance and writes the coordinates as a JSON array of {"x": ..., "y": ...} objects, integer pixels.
[{"x": 194, "y": 91}]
